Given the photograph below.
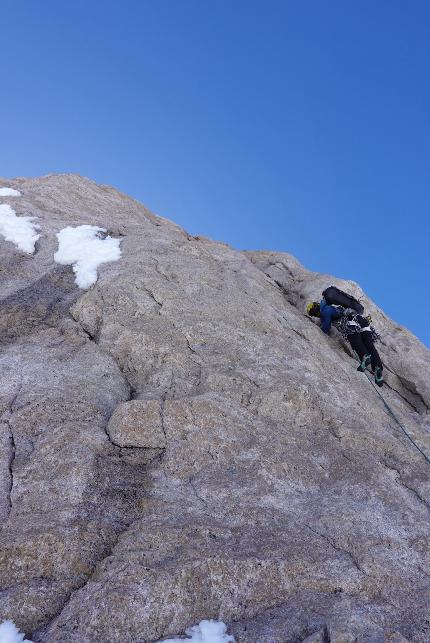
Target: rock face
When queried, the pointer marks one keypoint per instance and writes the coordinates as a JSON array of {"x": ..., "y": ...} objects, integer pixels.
[
  {"x": 182, "y": 442},
  {"x": 139, "y": 424}
]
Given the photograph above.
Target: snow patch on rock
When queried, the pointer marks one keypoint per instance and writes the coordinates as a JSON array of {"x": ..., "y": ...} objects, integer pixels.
[
  {"x": 84, "y": 248},
  {"x": 205, "y": 632},
  {"x": 9, "y": 633},
  {"x": 9, "y": 192},
  {"x": 20, "y": 230}
]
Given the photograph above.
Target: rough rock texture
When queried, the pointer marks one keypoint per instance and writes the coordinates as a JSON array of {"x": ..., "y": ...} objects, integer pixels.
[
  {"x": 138, "y": 423},
  {"x": 264, "y": 482}
]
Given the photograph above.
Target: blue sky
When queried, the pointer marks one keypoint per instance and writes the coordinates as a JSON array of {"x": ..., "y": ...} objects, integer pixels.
[{"x": 295, "y": 126}]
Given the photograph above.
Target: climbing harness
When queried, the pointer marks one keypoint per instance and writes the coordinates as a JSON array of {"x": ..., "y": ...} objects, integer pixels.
[
  {"x": 396, "y": 420},
  {"x": 349, "y": 324}
]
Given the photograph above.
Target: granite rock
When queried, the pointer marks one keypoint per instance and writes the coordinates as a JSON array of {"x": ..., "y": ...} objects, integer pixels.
[
  {"x": 139, "y": 424},
  {"x": 181, "y": 442}
]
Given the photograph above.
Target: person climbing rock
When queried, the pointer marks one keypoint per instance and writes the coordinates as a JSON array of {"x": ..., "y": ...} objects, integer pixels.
[{"x": 355, "y": 328}]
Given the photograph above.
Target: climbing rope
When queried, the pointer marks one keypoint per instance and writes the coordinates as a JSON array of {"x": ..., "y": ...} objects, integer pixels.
[{"x": 387, "y": 406}]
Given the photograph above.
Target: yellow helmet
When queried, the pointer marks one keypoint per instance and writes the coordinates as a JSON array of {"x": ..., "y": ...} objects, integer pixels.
[{"x": 313, "y": 309}]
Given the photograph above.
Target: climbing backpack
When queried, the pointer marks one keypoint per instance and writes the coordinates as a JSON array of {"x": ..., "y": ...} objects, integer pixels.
[{"x": 337, "y": 297}]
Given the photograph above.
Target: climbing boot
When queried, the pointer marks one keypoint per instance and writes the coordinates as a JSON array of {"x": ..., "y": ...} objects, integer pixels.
[
  {"x": 379, "y": 380},
  {"x": 364, "y": 363}
]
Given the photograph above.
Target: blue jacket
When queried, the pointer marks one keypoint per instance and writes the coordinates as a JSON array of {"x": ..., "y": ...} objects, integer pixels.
[{"x": 328, "y": 314}]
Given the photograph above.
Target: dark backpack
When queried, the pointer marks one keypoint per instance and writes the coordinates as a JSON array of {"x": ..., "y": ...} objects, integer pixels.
[{"x": 337, "y": 297}]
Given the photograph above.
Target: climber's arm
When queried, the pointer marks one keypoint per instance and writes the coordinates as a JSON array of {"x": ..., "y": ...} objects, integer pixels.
[{"x": 326, "y": 316}]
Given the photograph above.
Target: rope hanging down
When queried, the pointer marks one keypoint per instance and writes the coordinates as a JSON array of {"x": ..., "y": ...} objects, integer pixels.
[{"x": 396, "y": 420}]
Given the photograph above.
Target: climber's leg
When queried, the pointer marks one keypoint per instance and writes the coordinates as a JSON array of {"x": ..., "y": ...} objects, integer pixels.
[
  {"x": 370, "y": 348},
  {"x": 357, "y": 344}
]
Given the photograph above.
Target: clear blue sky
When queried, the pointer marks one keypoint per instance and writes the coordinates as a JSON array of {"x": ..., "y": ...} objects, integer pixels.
[{"x": 298, "y": 126}]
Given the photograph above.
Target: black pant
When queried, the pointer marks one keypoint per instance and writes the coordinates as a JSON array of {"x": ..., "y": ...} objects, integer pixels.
[{"x": 363, "y": 344}]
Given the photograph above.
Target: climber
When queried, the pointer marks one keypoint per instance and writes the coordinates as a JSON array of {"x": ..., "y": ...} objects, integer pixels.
[{"x": 355, "y": 328}]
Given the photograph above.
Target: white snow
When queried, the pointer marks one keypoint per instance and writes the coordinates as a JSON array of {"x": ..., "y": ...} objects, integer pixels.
[
  {"x": 205, "y": 632},
  {"x": 9, "y": 192},
  {"x": 9, "y": 633},
  {"x": 84, "y": 249},
  {"x": 20, "y": 230}
]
